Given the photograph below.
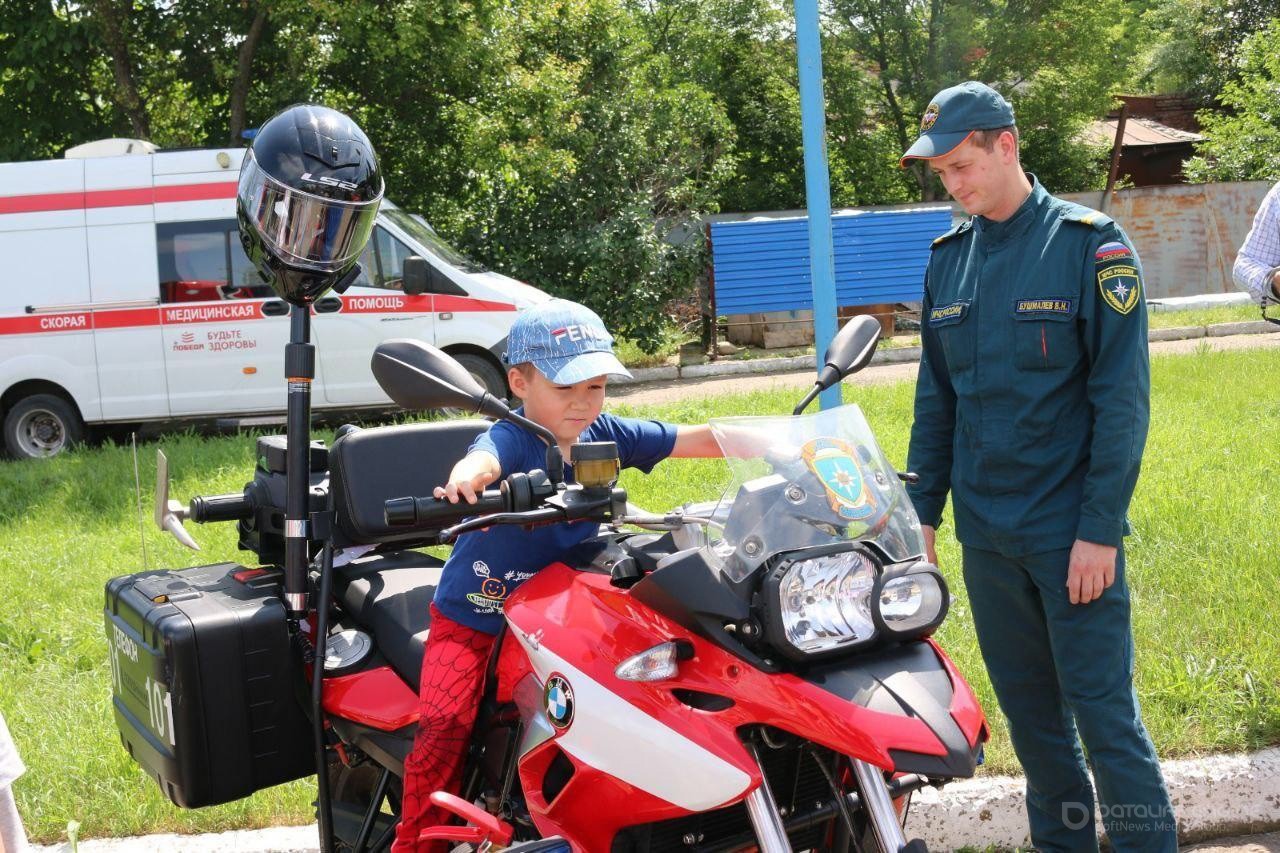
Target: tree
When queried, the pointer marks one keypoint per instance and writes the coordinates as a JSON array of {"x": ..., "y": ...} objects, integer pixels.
[
  {"x": 1058, "y": 61},
  {"x": 1197, "y": 44},
  {"x": 47, "y": 53},
  {"x": 1243, "y": 143}
]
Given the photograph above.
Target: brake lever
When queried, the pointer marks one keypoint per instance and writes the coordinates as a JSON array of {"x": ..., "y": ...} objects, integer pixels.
[
  {"x": 908, "y": 477},
  {"x": 535, "y": 516}
]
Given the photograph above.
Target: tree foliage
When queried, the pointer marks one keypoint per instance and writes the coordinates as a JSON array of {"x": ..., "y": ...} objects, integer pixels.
[
  {"x": 1243, "y": 143},
  {"x": 562, "y": 140},
  {"x": 1195, "y": 46},
  {"x": 1057, "y": 61}
]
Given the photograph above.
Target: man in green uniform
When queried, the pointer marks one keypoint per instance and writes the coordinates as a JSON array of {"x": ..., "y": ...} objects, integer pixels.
[{"x": 1032, "y": 411}]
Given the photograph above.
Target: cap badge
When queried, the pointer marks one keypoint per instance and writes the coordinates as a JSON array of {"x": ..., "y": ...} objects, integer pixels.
[{"x": 930, "y": 116}]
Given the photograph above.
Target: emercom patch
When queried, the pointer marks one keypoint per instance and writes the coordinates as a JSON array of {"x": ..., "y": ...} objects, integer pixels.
[
  {"x": 946, "y": 314},
  {"x": 1120, "y": 287},
  {"x": 1044, "y": 306}
]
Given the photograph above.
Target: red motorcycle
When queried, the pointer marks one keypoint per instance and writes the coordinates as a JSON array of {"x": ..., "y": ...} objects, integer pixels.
[{"x": 750, "y": 673}]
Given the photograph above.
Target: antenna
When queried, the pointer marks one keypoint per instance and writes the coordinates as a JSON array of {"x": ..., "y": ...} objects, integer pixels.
[{"x": 137, "y": 493}]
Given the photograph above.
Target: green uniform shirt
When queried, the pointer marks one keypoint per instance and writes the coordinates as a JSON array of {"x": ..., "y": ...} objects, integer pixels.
[{"x": 1032, "y": 404}]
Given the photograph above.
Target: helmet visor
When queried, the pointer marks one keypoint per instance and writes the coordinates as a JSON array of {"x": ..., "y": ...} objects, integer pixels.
[{"x": 301, "y": 229}]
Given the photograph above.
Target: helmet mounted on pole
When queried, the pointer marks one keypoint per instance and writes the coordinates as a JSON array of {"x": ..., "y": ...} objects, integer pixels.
[{"x": 307, "y": 200}]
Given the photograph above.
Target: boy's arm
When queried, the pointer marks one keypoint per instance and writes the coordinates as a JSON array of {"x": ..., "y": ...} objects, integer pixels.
[
  {"x": 695, "y": 442},
  {"x": 473, "y": 472}
]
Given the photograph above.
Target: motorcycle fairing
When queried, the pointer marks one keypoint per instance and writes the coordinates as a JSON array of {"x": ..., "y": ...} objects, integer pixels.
[
  {"x": 915, "y": 680},
  {"x": 376, "y": 697},
  {"x": 563, "y": 615}
]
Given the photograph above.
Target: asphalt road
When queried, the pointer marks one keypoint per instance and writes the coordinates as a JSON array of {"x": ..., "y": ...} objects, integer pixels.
[{"x": 657, "y": 393}]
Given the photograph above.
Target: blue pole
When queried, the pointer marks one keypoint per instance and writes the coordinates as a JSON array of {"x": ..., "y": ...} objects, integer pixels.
[{"x": 817, "y": 185}]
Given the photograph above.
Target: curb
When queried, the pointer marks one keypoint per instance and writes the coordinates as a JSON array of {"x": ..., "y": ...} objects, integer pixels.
[
  {"x": 1213, "y": 797},
  {"x": 899, "y": 355}
]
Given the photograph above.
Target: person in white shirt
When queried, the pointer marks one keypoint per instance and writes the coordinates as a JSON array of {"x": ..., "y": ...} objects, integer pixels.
[
  {"x": 1257, "y": 267},
  {"x": 13, "y": 838}
]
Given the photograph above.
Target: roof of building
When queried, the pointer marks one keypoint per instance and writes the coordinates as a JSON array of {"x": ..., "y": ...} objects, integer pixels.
[{"x": 1137, "y": 132}]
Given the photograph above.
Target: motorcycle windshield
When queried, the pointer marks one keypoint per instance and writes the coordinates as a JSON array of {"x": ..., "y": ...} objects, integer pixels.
[{"x": 803, "y": 481}]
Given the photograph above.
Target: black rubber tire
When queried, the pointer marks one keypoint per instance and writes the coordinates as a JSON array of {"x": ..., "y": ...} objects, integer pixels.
[
  {"x": 486, "y": 373},
  {"x": 41, "y": 425}
]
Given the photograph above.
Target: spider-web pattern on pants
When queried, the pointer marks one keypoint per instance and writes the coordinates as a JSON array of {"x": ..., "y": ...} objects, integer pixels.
[{"x": 453, "y": 667}]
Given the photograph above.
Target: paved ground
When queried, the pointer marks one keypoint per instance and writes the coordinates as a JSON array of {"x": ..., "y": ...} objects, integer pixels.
[
  {"x": 656, "y": 393},
  {"x": 1269, "y": 843}
]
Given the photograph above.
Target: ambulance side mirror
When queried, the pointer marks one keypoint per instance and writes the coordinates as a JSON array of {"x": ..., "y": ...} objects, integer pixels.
[{"x": 416, "y": 275}]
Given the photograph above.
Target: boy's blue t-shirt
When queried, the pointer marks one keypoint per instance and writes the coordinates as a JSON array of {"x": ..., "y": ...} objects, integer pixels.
[{"x": 486, "y": 566}]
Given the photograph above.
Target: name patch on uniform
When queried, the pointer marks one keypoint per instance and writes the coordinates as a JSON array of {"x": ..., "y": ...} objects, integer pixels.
[
  {"x": 1044, "y": 306},
  {"x": 944, "y": 314},
  {"x": 1120, "y": 287},
  {"x": 1112, "y": 252}
]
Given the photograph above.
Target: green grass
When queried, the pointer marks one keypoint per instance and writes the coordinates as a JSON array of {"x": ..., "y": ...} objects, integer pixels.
[
  {"x": 1203, "y": 569},
  {"x": 1203, "y": 316}
]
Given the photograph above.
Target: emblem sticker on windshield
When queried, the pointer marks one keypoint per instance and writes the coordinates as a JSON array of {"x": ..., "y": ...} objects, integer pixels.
[
  {"x": 835, "y": 464},
  {"x": 557, "y": 697}
]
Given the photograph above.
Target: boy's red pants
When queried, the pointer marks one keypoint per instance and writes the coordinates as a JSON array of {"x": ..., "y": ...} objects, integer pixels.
[{"x": 453, "y": 668}]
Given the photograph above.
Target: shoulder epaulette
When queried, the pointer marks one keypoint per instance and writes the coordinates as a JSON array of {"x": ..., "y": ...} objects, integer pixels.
[
  {"x": 1086, "y": 216},
  {"x": 954, "y": 232}
]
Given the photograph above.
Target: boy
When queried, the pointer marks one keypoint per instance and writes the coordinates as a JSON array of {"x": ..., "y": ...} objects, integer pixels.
[{"x": 559, "y": 355}]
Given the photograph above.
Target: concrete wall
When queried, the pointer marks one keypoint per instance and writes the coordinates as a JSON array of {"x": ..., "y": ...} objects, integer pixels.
[{"x": 1187, "y": 235}]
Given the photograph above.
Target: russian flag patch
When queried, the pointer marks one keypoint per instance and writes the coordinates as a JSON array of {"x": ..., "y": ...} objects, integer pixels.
[{"x": 1113, "y": 251}]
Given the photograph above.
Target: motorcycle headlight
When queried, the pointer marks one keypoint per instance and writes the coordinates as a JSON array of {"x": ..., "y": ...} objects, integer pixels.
[
  {"x": 821, "y": 602},
  {"x": 911, "y": 603}
]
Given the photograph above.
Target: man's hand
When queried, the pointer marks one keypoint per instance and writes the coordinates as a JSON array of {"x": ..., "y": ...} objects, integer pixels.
[
  {"x": 1275, "y": 285},
  {"x": 929, "y": 535},
  {"x": 1092, "y": 570}
]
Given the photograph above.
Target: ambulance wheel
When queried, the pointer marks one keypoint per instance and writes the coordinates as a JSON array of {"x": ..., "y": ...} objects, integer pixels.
[
  {"x": 41, "y": 425},
  {"x": 484, "y": 372}
]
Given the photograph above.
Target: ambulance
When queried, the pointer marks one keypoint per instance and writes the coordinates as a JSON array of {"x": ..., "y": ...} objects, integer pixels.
[{"x": 127, "y": 299}]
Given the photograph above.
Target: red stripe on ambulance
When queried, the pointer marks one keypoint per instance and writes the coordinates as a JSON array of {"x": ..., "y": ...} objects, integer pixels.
[
  {"x": 130, "y": 197},
  {"x": 467, "y": 303},
  {"x": 32, "y": 324},
  {"x": 230, "y": 312},
  {"x": 388, "y": 304},
  {"x": 211, "y": 312}
]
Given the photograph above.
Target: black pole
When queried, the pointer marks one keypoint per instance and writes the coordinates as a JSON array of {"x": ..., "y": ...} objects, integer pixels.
[
  {"x": 324, "y": 807},
  {"x": 299, "y": 370}
]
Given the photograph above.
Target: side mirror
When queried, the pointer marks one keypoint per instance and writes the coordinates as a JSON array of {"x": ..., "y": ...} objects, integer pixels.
[
  {"x": 419, "y": 376},
  {"x": 416, "y": 275},
  {"x": 851, "y": 349}
]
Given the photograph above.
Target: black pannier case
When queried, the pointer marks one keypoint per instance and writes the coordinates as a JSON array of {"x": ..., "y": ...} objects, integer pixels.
[{"x": 204, "y": 682}]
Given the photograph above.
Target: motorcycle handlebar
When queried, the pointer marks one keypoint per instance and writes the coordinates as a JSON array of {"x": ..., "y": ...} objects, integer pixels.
[
  {"x": 438, "y": 512},
  {"x": 221, "y": 508}
]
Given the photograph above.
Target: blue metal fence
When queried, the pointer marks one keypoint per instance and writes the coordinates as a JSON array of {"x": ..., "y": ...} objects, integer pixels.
[{"x": 880, "y": 256}]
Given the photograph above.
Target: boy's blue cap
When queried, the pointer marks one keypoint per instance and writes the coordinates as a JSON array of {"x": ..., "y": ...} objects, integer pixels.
[
  {"x": 954, "y": 114},
  {"x": 566, "y": 341}
]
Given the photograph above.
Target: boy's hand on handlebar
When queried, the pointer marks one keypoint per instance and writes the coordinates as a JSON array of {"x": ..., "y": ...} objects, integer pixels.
[
  {"x": 466, "y": 488},
  {"x": 473, "y": 472}
]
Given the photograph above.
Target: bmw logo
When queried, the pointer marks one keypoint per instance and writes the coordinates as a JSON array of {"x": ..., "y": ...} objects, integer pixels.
[{"x": 557, "y": 697}]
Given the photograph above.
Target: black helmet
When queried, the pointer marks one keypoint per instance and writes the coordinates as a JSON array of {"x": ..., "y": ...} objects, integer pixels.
[{"x": 308, "y": 197}]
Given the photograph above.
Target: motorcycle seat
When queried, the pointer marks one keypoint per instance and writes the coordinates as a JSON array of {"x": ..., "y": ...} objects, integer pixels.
[
  {"x": 368, "y": 467},
  {"x": 388, "y": 595}
]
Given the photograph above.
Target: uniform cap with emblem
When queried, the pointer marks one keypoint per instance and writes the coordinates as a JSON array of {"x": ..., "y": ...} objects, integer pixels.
[
  {"x": 952, "y": 117},
  {"x": 566, "y": 341}
]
